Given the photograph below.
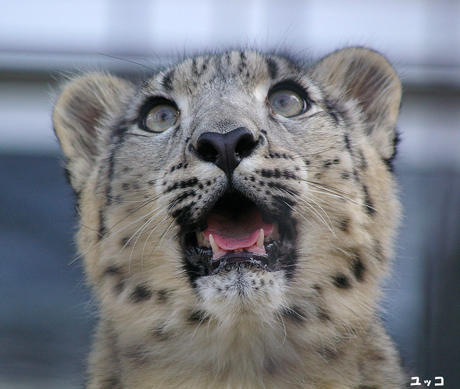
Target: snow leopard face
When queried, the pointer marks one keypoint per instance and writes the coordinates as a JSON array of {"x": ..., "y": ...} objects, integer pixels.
[{"x": 237, "y": 189}]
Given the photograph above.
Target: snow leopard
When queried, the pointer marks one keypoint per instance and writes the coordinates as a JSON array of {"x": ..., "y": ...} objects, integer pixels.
[{"x": 237, "y": 213}]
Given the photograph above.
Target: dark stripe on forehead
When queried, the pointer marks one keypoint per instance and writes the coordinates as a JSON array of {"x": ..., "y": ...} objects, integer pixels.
[
  {"x": 167, "y": 80},
  {"x": 272, "y": 68},
  {"x": 228, "y": 56},
  {"x": 194, "y": 68}
]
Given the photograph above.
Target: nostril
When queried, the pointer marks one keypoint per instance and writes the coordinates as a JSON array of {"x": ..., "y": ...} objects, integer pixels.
[
  {"x": 245, "y": 146},
  {"x": 207, "y": 151}
]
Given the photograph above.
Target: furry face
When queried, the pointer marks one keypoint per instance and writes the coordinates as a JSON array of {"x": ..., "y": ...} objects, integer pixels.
[{"x": 237, "y": 217}]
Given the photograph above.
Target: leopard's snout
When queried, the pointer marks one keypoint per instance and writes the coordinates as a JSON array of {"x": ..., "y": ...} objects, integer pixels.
[{"x": 226, "y": 150}]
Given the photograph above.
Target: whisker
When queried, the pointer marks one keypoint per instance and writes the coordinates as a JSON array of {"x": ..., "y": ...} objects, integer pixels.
[
  {"x": 106, "y": 238},
  {"x": 311, "y": 207},
  {"x": 140, "y": 230},
  {"x": 127, "y": 60}
]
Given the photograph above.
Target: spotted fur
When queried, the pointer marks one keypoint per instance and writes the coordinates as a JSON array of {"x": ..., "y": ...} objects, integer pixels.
[{"x": 310, "y": 323}]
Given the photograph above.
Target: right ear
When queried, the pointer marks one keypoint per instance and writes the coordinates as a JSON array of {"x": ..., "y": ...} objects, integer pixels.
[{"x": 84, "y": 106}]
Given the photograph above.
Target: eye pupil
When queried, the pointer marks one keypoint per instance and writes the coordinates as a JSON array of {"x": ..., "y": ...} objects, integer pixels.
[{"x": 161, "y": 117}]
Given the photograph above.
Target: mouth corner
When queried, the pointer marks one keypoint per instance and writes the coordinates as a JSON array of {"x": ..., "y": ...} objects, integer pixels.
[{"x": 237, "y": 233}]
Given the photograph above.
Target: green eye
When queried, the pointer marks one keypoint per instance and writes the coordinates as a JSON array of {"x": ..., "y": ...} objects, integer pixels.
[
  {"x": 161, "y": 117},
  {"x": 287, "y": 103}
]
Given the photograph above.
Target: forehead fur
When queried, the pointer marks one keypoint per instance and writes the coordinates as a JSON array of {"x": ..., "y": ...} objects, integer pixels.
[{"x": 242, "y": 69}]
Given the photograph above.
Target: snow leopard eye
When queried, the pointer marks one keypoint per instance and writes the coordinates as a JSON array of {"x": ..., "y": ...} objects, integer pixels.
[
  {"x": 287, "y": 102},
  {"x": 160, "y": 116}
]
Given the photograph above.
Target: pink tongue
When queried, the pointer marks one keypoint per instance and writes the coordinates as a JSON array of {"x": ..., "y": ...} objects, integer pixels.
[{"x": 236, "y": 233}]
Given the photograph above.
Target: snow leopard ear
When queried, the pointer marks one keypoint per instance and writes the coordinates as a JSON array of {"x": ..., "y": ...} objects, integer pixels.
[
  {"x": 367, "y": 77},
  {"x": 79, "y": 116}
]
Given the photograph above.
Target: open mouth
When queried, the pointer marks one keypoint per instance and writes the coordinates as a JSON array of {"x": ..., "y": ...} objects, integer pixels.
[{"x": 236, "y": 232}]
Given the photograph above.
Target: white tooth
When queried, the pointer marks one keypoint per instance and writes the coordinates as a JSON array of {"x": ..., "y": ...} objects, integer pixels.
[
  {"x": 260, "y": 239},
  {"x": 215, "y": 247}
]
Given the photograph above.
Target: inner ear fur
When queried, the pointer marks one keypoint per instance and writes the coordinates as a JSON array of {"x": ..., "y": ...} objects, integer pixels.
[
  {"x": 79, "y": 116},
  {"x": 368, "y": 78}
]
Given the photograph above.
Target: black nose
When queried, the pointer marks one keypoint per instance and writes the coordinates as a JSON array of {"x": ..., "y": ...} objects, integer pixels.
[{"x": 226, "y": 150}]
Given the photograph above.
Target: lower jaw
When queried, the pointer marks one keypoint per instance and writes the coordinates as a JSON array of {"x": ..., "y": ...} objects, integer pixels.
[{"x": 280, "y": 255}]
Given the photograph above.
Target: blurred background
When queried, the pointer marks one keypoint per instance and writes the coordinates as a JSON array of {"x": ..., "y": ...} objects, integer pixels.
[{"x": 46, "y": 317}]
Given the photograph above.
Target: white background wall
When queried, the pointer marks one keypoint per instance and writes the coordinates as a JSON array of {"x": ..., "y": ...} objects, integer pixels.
[{"x": 422, "y": 39}]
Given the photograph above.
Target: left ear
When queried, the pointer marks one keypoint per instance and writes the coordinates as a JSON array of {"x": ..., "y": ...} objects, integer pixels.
[{"x": 367, "y": 77}]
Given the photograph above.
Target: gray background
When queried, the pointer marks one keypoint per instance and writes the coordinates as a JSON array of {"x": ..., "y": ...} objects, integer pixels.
[{"x": 46, "y": 316}]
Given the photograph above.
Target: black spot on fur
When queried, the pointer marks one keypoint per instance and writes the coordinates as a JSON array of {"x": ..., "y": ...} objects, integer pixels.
[
  {"x": 117, "y": 273},
  {"x": 356, "y": 175},
  {"x": 345, "y": 175},
  {"x": 344, "y": 224},
  {"x": 294, "y": 314},
  {"x": 183, "y": 184},
  {"x": 189, "y": 183},
  {"x": 341, "y": 281},
  {"x": 347, "y": 143},
  {"x": 140, "y": 294},
  {"x": 368, "y": 387},
  {"x": 358, "y": 267},
  {"x": 178, "y": 166},
  {"x": 183, "y": 196},
  {"x": 102, "y": 229},
  {"x": 266, "y": 173},
  {"x": 327, "y": 164},
  {"x": 363, "y": 160},
  {"x": 368, "y": 203},
  {"x": 322, "y": 314},
  {"x": 124, "y": 241},
  {"x": 289, "y": 175},
  {"x": 317, "y": 288},
  {"x": 163, "y": 296},
  {"x": 113, "y": 270},
  {"x": 161, "y": 334},
  {"x": 197, "y": 317}
]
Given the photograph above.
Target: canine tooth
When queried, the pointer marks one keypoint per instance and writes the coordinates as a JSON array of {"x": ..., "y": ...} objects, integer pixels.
[
  {"x": 215, "y": 247},
  {"x": 260, "y": 239}
]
